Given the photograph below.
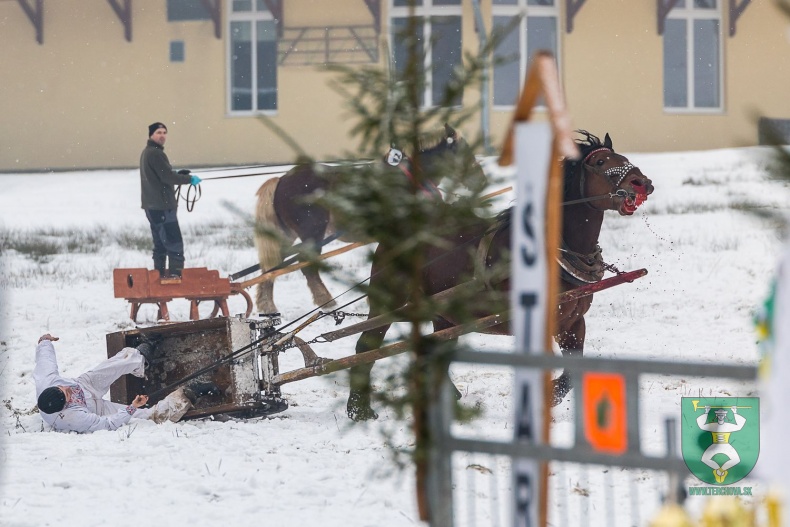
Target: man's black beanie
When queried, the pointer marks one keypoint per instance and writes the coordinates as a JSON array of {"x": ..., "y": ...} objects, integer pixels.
[
  {"x": 154, "y": 127},
  {"x": 52, "y": 400}
]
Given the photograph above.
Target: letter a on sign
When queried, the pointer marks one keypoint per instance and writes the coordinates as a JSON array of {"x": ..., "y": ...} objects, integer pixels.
[{"x": 605, "y": 426}]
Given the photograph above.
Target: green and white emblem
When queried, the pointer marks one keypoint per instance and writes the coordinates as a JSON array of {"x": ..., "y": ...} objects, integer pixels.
[{"x": 720, "y": 437}]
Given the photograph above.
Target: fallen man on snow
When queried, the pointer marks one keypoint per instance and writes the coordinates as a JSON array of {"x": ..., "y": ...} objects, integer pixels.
[{"x": 77, "y": 405}]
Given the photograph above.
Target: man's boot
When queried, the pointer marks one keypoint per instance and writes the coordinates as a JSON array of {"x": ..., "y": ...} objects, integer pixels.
[
  {"x": 160, "y": 264},
  {"x": 173, "y": 275},
  {"x": 147, "y": 351}
]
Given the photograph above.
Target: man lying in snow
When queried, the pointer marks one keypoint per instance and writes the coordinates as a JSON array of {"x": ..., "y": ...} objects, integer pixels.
[{"x": 77, "y": 405}]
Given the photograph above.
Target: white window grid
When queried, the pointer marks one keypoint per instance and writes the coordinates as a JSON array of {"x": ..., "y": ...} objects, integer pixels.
[
  {"x": 689, "y": 12},
  {"x": 426, "y": 10},
  {"x": 251, "y": 16},
  {"x": 523, "y": 10}
]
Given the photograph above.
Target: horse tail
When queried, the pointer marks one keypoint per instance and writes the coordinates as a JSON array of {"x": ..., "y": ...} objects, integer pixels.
[{"x": 267, "y": 226}]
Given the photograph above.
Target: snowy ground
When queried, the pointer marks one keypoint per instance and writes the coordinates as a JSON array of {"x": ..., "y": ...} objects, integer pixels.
[{"x": 709, "y": 266}]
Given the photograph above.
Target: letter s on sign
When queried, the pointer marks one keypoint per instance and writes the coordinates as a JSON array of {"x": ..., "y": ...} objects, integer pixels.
[{"x": 528, "y": 243}]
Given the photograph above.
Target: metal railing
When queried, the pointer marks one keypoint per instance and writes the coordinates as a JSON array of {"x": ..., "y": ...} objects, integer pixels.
[{"x": 441, "y": 482}]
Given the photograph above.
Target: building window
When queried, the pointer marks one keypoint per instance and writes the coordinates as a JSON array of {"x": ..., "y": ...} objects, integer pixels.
[
  {"x": 536, "y": 29},
  {"x": 692, "y": 56},
  {"x": 177, "y": 51},
  {"x": 253, "y": 57},
  {"x": 438, "y": 23},
  {"x": 181, "y": 10}
]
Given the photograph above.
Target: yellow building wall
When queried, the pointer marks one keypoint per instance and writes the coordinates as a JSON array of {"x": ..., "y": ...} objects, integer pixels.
[
  {"x": 613, "y": 76},
  {"x": 611, "y": 68},
  {"x": 84, "y": 98}
]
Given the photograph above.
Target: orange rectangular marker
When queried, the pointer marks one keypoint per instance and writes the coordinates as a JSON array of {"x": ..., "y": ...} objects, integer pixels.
[{"x": 605, "y": 427}]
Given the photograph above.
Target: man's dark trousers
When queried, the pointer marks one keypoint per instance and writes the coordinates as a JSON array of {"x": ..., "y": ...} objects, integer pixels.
[{"x": 168, "y": 244}]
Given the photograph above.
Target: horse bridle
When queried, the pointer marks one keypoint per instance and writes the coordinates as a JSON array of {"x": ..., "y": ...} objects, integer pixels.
[{"x": 619, "y": 171}]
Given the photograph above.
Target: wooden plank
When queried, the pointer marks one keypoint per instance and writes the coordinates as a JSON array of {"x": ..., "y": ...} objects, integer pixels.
[
  {"x": 567, "y": 296},
  {"x": 144, "y": 285},
  {"x": 389, "y": 318},
  {"x": 587, "y": 290},
  {"x": 131, "y": 284},
  {"x": 291, "y": 268},
  {"x": 384, "y": 352},
  {"x": 121, "y": 387}
]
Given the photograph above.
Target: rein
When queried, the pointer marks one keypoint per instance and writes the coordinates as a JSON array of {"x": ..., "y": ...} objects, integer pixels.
[
  {"x": 193, "y": 195},
  {"x": 619, "y": 193},
  {"x": 429, "y": 188},
  {"x": 194, "y": 192}
]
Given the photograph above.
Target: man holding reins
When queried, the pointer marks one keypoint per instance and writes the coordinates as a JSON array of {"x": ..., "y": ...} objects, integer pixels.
[{"x": 157, "y": 180}]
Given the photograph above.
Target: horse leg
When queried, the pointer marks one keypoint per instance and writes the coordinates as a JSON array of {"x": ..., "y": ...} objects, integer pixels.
[
  {"x": 321, "y": 295},
  {"x": 439, "y": 324},
  {"x": 269, "y": 254},
  {"x": 358, "y": 406},
  {"x": 571, "y": 341},
  {"x": 311, "y": 230},
  {"x": 264, "y": 298}
]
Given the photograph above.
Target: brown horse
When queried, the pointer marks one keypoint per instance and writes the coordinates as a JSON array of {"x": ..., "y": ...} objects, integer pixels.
[
  {"x": 600, "y": 180},
  {"x": 286, "y": 208}
]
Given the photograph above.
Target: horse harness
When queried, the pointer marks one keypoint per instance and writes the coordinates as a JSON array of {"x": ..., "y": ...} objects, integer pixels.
[
  {"x": 575, "y": 268},
  {"x": 396, "y": 158},
  {"x": 619, "y": 171},
  {"x": 582, "y": 269}
]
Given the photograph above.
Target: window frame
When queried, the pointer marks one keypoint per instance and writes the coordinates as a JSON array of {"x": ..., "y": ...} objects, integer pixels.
[
  {"x": 252, "y": 17},
  {"x": 174, "y": 4},
  {"x": 521, "y": 8},
  {"x": 426, "y": 10},
  {"x": 690, "y": 14}
]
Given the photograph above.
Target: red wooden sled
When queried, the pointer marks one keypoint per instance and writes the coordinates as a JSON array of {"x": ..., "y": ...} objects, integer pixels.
[{"x": 198, "y": 284}]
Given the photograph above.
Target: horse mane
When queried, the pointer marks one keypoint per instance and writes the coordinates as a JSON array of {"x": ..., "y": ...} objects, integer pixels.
[
  {"x": 503, "y": 218},
  {"x": 589, "y": 143},
  {"x": 571, "y": 167},
  {"x": 431, "y": 140}
]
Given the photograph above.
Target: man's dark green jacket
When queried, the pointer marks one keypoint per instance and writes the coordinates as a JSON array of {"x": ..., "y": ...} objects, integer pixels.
[{"x": 157, "y": 178}]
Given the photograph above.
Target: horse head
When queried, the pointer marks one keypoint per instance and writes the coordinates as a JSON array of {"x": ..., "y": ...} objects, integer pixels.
[
  {"x": 606, "y": 179},
  {"x": 447, "y": 154}
]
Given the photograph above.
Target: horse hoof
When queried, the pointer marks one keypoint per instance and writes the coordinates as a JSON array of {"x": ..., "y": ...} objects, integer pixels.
[
  {"x": 456, "y": 392},
  {"x": 361, "y": 414},
  {"x": 561, "y": 386},
  {"x": 358, "y": 409}
]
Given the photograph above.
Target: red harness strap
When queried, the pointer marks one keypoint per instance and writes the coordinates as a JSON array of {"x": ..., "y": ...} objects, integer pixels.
[{"x": 429, "y": 188}]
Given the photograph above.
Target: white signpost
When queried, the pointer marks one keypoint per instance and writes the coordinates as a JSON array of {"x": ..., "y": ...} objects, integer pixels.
[{"x": 529, "y": 307}]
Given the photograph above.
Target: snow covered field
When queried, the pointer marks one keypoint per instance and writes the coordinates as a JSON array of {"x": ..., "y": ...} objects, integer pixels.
[{"x": 709, "y": 266}]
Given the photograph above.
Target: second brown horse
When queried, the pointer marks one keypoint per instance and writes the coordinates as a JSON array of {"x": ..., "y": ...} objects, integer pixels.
[{"x": 599, "y": 181}]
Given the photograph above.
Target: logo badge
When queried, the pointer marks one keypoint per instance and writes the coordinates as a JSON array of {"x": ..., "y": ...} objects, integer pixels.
[
  {"x": 720, "y": 437},
  {"x": 394, "y": 157}
]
